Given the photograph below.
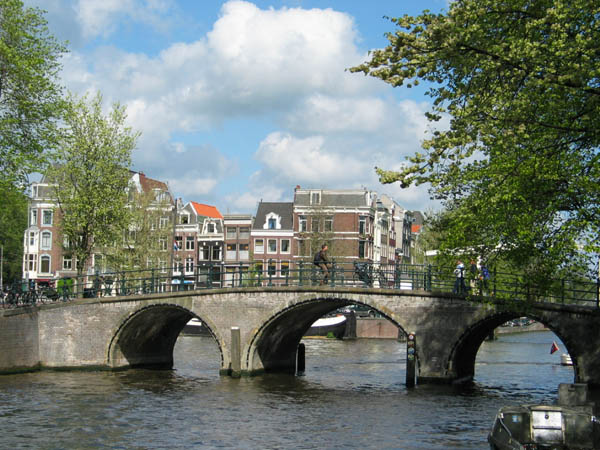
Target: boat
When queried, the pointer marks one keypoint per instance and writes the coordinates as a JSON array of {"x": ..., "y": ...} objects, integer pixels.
[
  {"x": 194, "y": 327},
  {"x": 571, "y": 424},
  {"x": 565, "y": 359},
  {"x": 328, "y": 326}
]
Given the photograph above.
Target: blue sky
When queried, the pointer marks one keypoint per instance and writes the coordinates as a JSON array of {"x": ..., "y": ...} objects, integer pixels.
[{"x": 240, "y": 101}]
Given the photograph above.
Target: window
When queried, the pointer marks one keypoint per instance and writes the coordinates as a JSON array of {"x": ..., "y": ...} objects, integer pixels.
[
  {"x": 46, "y": 243},
  {"x": 259, "y": 246},
  {"x": 231, "y": 252},
  {"x": 302, "y": 223},
  {"x": 272, "y": 246},
  {"x": 178, "y": 242},
  {"x": 216, "y": 253},
  {"x": 178, "y": 266},
  {"x": 244, "y": 251},
  {"x": 47, "y": 217},
  {"x": 33, "y": 217},
  {"x": 162, "y": 265},
  {"x": 285, "y": 246},
  {"x": 361, "y": 249},
  {"x": 190, "y": 242},
  {"x": 272, "y": 224},
  {"x": 285, "y": 268},
  {"x": 163, "y": 222},
  {"x": 45, "y": 264},
  {"x": 231, "y": 232},
  {"x": 31, "y": 239},
  {"x": 189, "y": 265},
  {"x": 184, "y": 219},
  {"x": 328, "y": 224},
  {"x": 162, "y": 244},
  {"x": 362, "y": 225},
  {"x": 244, "y": 233},
  {"x": 30, "y": 264},
  {"x": 272, "y": 268},
  {"x": 210, "y": 228},
  {"x": 204, "y": 253},
  {"x": 315, "y": 224},
  {"x": 67, "y": 263},
  {"x": 315, "y": 198}
]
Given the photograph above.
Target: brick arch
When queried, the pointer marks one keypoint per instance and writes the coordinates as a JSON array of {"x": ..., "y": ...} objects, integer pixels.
[
  {"x": 147, "y": 336},
  {"x": 273, "y": 346},
  {"x": 461, "y": 364}
]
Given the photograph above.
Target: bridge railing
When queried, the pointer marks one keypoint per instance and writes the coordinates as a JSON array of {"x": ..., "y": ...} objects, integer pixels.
[{"x": 304, "y": 273}]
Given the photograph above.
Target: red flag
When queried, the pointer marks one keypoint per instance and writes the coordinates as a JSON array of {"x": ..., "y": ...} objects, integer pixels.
[{"x": 554, "y": 347}]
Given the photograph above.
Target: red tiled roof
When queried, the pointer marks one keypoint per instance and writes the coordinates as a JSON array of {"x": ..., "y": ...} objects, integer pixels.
[
  {"x": 148, "y": 184},
  {"x": 206, "y": 210}
]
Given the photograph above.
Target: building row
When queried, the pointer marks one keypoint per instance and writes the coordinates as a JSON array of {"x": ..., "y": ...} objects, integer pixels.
[{"x": 194, "y": 242}]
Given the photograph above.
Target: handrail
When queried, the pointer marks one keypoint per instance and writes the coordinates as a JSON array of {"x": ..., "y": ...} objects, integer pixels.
[{"x": 364, "y": 274}]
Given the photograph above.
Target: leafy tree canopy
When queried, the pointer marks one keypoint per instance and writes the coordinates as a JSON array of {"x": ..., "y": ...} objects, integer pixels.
[
  {"x": 13, "y": 220},
  {"x": 30, "y": 95},
  {"x": 517, "y": 169},
  {"x": 90, "y": 173}
]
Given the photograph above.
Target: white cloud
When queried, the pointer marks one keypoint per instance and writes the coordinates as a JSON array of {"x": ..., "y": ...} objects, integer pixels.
[{"x": 284, "y": 69}]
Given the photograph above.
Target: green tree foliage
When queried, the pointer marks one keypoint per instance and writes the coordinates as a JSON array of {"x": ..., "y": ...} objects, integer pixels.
[
  {"x": 148, "y": 240},
  {"x": 517, "y": 169},
  {"x": 13, "y": 220},
  {"x": 30, "y": 95},
  {"x": 91, "y": 174}
]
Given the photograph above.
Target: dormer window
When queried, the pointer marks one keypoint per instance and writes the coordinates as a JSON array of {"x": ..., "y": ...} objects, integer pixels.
[
  {"x": 315, "y": 198},
  {"x": 272, "y": 222}
]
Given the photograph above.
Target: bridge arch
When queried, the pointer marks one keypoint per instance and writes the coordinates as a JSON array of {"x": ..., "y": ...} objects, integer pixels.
[
  {"x": 146, "y": 337},
  {"x": 273, "y": 347},
  {"x": 464, "y": 352}
]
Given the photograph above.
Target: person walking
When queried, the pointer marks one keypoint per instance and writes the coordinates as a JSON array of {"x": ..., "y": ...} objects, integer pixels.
[{"x": 322, "y": 261}]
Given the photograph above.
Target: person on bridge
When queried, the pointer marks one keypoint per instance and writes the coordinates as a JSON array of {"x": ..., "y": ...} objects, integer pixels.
[
  {"x": 459, "y": 283},
  {"x": 321, "y": 260}
]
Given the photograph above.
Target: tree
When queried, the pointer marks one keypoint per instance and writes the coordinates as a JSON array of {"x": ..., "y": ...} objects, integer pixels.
[
  {"x": 517, "y": 170},
  {"x": 90, "y": 172},
  {"x": 13, "y": 220},
  {"x": 30, "y": 95},
  {"x": 148, "y": 240}
]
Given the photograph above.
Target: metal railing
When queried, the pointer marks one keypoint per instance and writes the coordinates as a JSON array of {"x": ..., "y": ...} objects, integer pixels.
[{"x": 396, "y": 276}]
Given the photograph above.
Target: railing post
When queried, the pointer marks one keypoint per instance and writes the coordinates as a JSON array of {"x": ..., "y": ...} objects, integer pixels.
[
  {"x": 429, "y": 279},
  {"x": 269, "y": 273},
  {"x": 562, "y": 291},
  {"x": 494, "y": 290},
  {"x": 241, "y": 275},
  {"x": 300, "y": 273},
  {"x": 332, "y": 277},
  {"x": 209, "y": 277}
]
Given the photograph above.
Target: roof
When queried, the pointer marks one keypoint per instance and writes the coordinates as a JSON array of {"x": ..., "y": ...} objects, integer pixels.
[
  {"x": 415, "y": 228},
  {"x": 345, "y": 198},
  {"x": 285, "y": 210},
  {"x": 149, "y": 184},
  {"x": 206, "y": 210}
]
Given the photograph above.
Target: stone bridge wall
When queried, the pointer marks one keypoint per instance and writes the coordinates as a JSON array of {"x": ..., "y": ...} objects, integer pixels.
[{"x": 135, "y": 331}]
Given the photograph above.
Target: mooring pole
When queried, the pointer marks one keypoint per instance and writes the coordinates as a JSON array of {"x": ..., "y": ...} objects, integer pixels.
[
  {"x": 236, "y": 357},
  {"x": 411, "y": 360},
  {"x": 301, "y": 359}
]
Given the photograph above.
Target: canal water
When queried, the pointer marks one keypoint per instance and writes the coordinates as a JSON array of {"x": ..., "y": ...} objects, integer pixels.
[{"x": 352, "y": 396}]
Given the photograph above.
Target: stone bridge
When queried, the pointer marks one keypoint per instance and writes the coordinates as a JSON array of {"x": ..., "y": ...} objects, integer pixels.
[{"x": 258, "y": 329}]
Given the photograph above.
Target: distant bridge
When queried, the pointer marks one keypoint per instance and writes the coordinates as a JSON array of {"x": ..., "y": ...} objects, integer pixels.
[{"x": 258, "y": 328}]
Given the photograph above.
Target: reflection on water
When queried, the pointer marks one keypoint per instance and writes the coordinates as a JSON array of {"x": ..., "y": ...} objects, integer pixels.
[{"x": 352, "y": 396}]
